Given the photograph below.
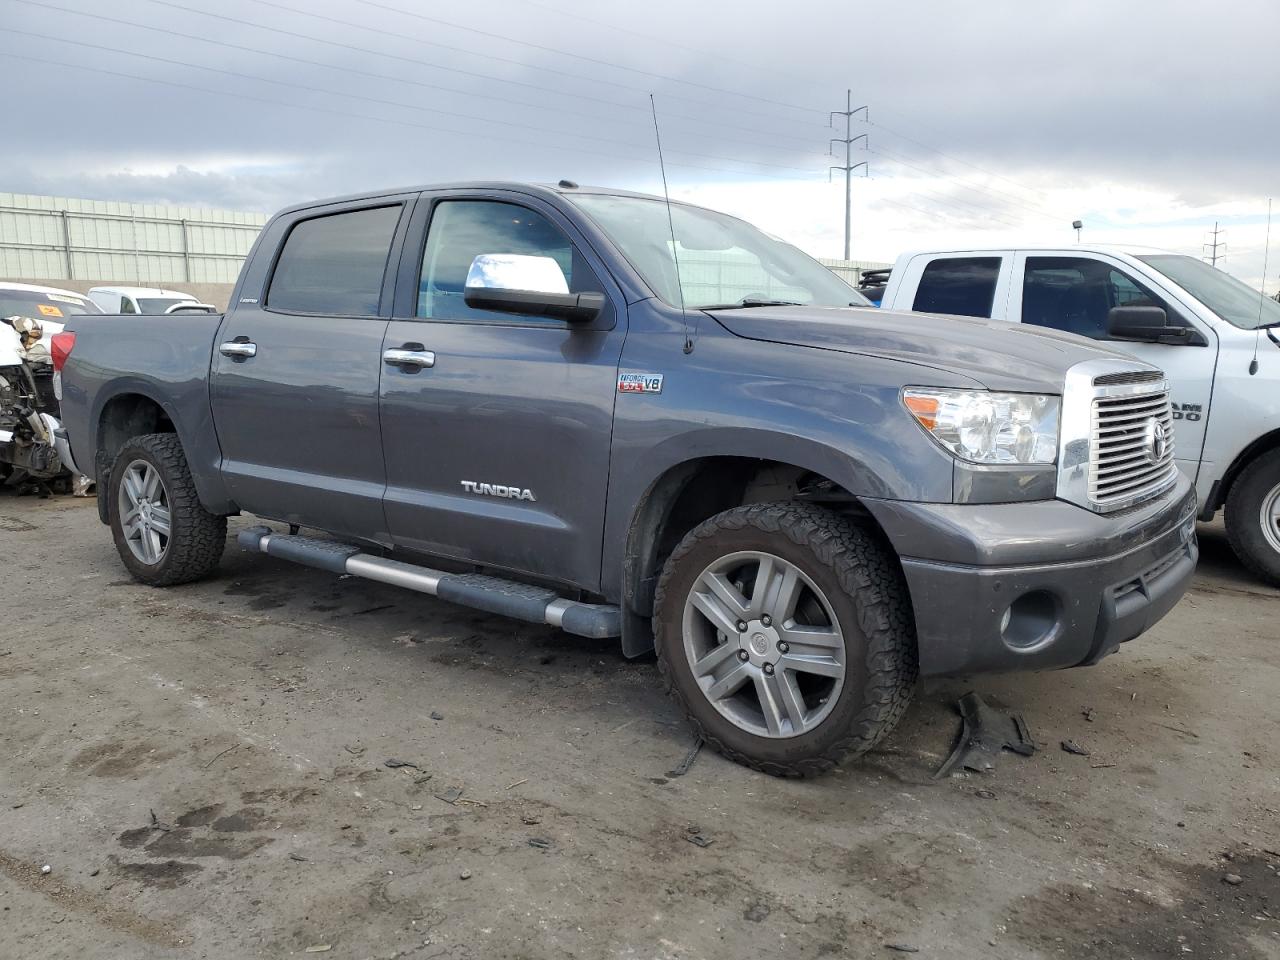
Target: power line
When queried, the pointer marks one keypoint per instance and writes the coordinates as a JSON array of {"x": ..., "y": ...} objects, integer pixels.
[
  {"x": 953, "y": 158},
  {"x": 967, "y": 207},
  {"x": 614, "y": 104},
  {"x": 969, "y": 183},
  {"x": 418, "y": 40},
  {"x": 931, "y": 214},
  {"x": 389, "y": 103},
  {"x": 666, "y": 41},
  {"x": 972, "y": 185},
  {"x": 364, "y": 116},
  {"x": 565, "y": 53}
]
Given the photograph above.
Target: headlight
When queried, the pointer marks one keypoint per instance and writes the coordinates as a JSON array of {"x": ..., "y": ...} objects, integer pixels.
[{"x": 984, "y": 427}]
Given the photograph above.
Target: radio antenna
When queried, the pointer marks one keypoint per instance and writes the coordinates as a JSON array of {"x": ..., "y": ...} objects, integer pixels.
[
  {"x": 671, "y": 225},
  {"x": 1262, "y": 293}
]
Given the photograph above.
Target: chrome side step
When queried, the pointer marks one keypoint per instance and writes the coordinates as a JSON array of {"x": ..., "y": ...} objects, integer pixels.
[{"x": 491, "y": 594}]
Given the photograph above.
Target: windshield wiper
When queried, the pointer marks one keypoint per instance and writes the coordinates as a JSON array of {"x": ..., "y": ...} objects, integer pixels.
[{"x": 753, "y": 302}]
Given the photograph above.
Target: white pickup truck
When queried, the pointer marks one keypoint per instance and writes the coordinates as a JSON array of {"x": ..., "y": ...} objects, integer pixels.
[{"x": 1216, "y": 339}]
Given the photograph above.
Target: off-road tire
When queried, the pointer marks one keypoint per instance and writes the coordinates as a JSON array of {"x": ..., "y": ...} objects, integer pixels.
[
  {"x": 863, "y": 581},
  {"x": 197, "y": 536},
  {"x": 1244, "y": 526}
]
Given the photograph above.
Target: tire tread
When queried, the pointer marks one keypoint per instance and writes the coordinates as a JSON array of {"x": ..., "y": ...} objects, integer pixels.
[
  {"x": 200, "y": 537},
  {"x": 869, "y": 573},
  {"x": 1243, "y": 502}
]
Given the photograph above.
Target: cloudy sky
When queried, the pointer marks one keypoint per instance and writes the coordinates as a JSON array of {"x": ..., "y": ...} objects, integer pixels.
[{"x": 989, "y": 123}]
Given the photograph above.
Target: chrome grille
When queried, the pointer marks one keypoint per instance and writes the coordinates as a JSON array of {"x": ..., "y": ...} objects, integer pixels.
[{"x": 1131, "y": 447}]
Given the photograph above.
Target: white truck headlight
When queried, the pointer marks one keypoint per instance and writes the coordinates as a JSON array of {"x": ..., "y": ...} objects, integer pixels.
[{"x": 985, "y": 427}]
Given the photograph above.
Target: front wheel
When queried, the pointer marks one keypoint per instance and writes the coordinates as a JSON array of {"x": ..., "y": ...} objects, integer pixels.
[
  {"x": 161, "y": 531},
  {"x": 1253, "y": 516},
  {"x": 785, "y": 632}
]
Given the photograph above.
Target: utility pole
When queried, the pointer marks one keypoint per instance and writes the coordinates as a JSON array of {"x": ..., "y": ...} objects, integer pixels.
[
  {"x": 849, "y": 166},
  {"x": 1213, "y": 245}
]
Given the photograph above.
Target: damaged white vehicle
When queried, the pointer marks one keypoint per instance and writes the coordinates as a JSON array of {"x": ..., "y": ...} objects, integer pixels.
[{"x": 32, "y": 451}]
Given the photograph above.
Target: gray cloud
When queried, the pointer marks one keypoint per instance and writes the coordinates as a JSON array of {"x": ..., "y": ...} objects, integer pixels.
[{"x": 1155, "y": 93}]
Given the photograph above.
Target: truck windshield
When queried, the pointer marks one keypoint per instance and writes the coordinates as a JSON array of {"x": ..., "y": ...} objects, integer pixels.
[
  {"x": 723, "y": 261},
  {"x": 43, "y": 306},
  {"x": 1236, "y": 302}
]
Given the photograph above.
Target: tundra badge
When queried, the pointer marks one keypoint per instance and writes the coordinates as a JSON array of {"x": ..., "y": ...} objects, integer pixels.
[{"x": 499, "y": 490}]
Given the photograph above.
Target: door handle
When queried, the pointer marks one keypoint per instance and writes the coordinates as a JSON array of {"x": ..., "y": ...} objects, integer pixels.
[
  {"x": 409, "y": 358},
  {"x": 238, "y": 349}
]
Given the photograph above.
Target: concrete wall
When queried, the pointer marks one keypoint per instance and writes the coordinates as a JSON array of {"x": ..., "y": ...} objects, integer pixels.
[{"x": 216, "y": 293}]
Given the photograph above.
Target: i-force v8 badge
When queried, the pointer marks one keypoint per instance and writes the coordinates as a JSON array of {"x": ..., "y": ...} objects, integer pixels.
[{"x": 639, "y": 383}]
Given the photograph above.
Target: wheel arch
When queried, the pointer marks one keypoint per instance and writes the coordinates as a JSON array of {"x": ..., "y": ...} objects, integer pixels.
[
  {"x": 689, "y": 492},
  {"x": 133, "y": 408},
  {"x": 1222, "y": 489}
]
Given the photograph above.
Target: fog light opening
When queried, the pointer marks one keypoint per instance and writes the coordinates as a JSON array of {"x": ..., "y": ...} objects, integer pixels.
[{"x": 1031, "y": 621}]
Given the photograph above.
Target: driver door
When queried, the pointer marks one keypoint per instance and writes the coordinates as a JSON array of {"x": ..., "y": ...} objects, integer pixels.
[{"x": 497, "y": 452}]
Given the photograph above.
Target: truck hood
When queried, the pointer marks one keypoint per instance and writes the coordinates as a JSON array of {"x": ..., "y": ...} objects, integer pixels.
[{"x": 998, "y": 354}]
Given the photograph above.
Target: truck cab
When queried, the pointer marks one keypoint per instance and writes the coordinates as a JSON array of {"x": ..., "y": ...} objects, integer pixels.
[{"x": 1218, "y": 345}]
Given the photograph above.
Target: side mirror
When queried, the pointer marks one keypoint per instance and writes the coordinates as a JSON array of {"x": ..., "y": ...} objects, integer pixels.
[
  {"x": 1149, "y": 325},
  {"x": 512, "y": 283}
]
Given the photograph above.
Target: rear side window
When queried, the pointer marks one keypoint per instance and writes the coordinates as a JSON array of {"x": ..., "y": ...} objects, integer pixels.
[
  {"x": 335, "y": 265},
  {"x": 963, "y": 286}
]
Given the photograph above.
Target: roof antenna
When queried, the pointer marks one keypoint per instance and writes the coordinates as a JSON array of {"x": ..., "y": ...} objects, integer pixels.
[
  {"x": 671, "y": 224},
  {"x": 1262, "y": 294}
]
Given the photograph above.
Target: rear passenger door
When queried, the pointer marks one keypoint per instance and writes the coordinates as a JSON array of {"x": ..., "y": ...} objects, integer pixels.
[
  {"x": 296, "y": 364},
  {"x": 498, "y": 452}
]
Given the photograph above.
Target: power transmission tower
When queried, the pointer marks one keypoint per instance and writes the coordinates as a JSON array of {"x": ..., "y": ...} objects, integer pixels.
[
  {"x": 849, "y": 166},
  {"x": 1211, "y": 247}
]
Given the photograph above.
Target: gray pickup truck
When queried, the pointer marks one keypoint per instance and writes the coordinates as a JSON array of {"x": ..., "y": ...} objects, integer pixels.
[{"x": 585, "y": 408}]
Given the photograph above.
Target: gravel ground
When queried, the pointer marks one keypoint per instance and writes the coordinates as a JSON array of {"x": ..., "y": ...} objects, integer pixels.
[{"x": 205, "y": 771}]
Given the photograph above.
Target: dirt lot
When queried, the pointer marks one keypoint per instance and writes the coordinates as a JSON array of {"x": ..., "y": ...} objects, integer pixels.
[{"x": 205, "y": 771}]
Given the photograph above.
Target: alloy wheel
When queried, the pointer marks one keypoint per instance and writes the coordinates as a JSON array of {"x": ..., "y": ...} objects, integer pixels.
[
  {"x": 143, "y": 503},
  {"x": 764, "y": 644}
]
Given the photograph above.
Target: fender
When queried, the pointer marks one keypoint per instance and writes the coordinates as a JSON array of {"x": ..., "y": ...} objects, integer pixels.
[
  {"x": 193, "y": 423},
  {"x": 633, "y": 531}
]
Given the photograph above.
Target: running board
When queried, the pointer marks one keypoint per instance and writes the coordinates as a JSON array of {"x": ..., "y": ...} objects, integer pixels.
[{"x": 491, "y": 594}]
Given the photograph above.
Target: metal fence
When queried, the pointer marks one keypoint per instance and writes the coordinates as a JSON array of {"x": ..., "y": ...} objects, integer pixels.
[
  {"x": 51, "y": 238},
  {"x": 851, "y": 271}
]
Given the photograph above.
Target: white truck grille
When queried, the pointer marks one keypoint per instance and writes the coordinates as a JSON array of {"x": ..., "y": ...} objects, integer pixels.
[{"x": 1131, "y": 442}]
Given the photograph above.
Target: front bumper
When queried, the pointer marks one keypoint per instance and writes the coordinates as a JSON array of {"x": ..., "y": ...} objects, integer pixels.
[{"x": 1038, "y": 586}]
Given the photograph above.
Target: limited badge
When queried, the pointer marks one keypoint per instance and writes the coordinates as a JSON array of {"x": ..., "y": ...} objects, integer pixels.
[{"x": 639, "y": 383}]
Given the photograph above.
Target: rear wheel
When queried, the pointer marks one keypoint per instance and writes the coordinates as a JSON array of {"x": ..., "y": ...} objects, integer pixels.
[
  {"x": 162, "y": 533},
  {"x": 785, "y": 632},
  {"x": 1253, "y": 516}
]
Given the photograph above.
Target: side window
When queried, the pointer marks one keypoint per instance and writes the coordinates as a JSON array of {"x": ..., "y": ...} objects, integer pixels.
[
  {"x": 962, "y": 286},
  {"x": 334, "y": 264},
  {"x": 461, "y": 230},
  {"x": 1127, "y": 293},
  {"x": 1075, "y": 294},
  {"x": 126, "y": 305}
]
